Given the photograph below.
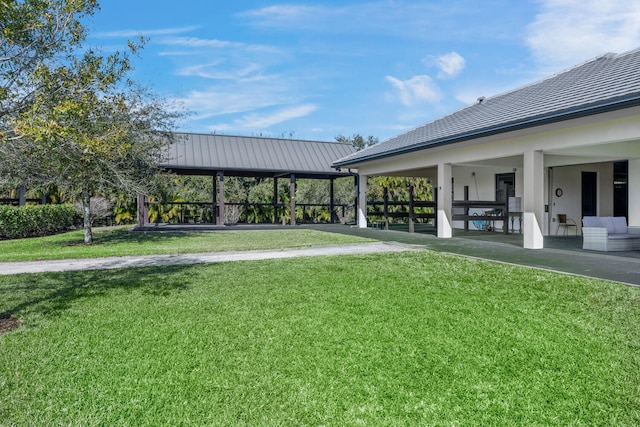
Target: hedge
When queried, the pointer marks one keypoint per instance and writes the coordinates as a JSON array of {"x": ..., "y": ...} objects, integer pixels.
[{"x": 34, "y": 220}]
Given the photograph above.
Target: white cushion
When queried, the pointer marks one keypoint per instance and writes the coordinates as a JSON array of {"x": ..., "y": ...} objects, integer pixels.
[
  {"x": 607, "y": 221},
  {"x": 620, "y": 224},
  {"x": 591, "y": 221}
]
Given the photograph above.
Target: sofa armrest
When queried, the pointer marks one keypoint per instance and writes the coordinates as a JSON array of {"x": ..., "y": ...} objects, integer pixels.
[
  {"x": 595, "y": 238},
  {"x": 633, "y": 230}
]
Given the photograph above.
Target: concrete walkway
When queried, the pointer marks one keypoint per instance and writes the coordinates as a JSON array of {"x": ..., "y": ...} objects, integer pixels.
[
  {"x": 200, "y": 258},
  {"x": 562, "y": 254}
]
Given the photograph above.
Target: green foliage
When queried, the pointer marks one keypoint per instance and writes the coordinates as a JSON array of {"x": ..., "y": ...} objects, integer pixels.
[
  {"x": 34, "y": 220},
  {"x": 358, "y": 141},
  {"x": 34, "y": 33},
  {"x": 398, "y": 188},
  {"x": 124, "y": 208},
  {"x": 71, "y": 118}
]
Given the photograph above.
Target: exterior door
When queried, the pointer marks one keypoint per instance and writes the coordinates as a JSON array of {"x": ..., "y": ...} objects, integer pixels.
[
  {"x": 621, "y": 189},
  {"x": 505, "y": 186},
  {"x": 589, "y": 194}
]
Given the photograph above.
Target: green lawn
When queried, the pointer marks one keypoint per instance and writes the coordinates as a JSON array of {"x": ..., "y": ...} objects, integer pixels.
[
  {"x": 118, "y": 241},
  {"x": 417, "y": 338}
]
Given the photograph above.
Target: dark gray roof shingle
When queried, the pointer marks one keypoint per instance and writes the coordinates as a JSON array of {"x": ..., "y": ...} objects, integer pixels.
[
  {"x": 606, "y": 83},
  {"x": 253, "y": 156}
]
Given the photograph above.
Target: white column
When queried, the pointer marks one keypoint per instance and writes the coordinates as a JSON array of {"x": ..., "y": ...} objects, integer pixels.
[
  {"x": 533, "y": 199},
  {"x": 634, "y": 192},
  {"x": 444, "y": 200},
  {"x": 362, "y": 201}
]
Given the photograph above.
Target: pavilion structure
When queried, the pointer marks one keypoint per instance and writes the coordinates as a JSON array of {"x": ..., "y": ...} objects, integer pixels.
[{"x": 221, "y": 156}]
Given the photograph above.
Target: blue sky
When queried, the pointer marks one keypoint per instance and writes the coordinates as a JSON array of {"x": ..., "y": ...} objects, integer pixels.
[{"x": 314, "y": 70}]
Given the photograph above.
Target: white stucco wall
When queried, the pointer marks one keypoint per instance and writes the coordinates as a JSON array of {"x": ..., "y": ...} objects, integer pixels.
[
  {"x": 570, "y": 147},
  {"x": 569, "y": 179},
  {"x": 634, "y": 192}
]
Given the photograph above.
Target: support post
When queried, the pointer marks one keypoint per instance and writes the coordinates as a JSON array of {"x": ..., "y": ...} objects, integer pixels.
[
  {"x": 214, "y": 205},
  {"x": 143, "y": 213},
  {"x": 361, "y": 200},
  {"x": 385, "y": 207},
  {"x": 466, "y": 207},
  {"x": 275, "y": 199},
  {"x": 22, "y": 195},
  {"x": 445, "y": 197},
  {"x": 221, "y": 198},
  {"x": 411, "y": 208},
  {"x": 331, "y": 201},
  {"x": 505, "y": 223},
  {"x": 292, "y": 199},
  {"x": 434, "y": 198},
  {"x": 533, "y": 199}
]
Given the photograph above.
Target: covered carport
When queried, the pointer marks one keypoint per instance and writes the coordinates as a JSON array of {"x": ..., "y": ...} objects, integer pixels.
[{"x": 221, "y": 156}]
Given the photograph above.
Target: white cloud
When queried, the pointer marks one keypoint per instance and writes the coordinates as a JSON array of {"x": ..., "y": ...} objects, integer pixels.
[
  {"x": 416, "y": 90},
  {"x": 450, "y": 64},
  {"x": 213, "y": 71},
  {"x": 414, "y": 19},
  {"x": 260, "y": 122},
  {"x": 198, "y": 42},
  {"x": 146, "y": 33},
  {"x": 567, "y": 32},
  {"x": 230, "y": 100},
  {"x": 294, "y": 16},
  {"x": 263, "y": 121}
]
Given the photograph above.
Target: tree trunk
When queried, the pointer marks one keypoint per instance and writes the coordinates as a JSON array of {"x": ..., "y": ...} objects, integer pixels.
[{"x": 86, "y": 212}]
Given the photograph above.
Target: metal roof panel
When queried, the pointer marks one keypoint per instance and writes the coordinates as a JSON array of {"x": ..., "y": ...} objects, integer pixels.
[{"x": 210, "y": 153}]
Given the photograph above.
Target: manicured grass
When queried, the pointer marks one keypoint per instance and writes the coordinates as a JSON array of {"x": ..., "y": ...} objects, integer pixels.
[
  {"x": 118, "y": 241},
  {"x": 418, "y": 338}
]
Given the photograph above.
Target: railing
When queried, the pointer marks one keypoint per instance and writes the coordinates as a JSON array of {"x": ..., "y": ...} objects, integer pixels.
[
  {"x": 490, "y": 211},
  {"x": 412, "y": 210},
  {"x": 16, "y": 202},
  {"x": 256, "y": 213}
]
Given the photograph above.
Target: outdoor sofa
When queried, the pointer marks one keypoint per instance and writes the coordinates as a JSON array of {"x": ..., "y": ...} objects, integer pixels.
[{"x": 608, "y": 233}]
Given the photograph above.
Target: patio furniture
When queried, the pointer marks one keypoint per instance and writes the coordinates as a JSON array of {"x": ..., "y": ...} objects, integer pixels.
[
  {"x": 609, "y": 233},
  {"x": 565, "y": 222}
]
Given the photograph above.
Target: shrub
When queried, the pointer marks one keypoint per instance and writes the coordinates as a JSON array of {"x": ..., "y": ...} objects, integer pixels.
[{"x": 34, "y": 220}]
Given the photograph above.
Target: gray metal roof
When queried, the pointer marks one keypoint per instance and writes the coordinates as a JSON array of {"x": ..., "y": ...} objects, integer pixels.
[
  {"x": 204, "y": 154},
  {"x": 606, "y": 83}
]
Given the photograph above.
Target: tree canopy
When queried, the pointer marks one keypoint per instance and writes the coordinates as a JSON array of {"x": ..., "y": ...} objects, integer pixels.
[
  {"x": 73, "y": 118},
  {"x": 358, "y": 141},
  {"x": 33, "y": 33}
]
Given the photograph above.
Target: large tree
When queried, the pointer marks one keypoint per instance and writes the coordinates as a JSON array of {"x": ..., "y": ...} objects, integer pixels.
[
  {"x": 33, "y": 33},
  {"x": 79, "y": 123}
]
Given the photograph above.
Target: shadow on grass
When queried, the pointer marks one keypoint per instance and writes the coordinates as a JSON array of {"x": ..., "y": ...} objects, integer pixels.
[
  {"x": 50, "y": 294},
  {"x": 119, "y": 236}
]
